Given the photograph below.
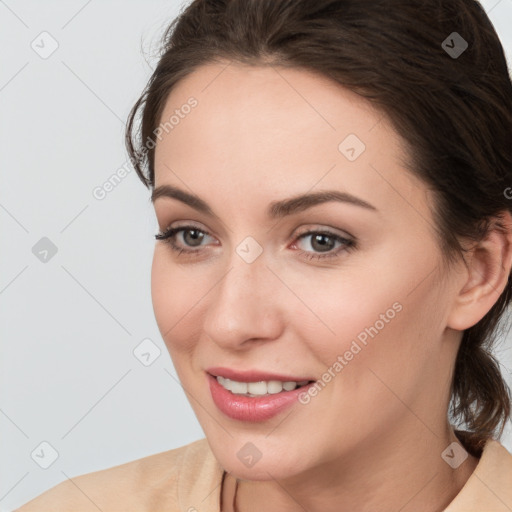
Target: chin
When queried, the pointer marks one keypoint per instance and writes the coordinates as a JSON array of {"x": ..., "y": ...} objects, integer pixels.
[{"x": 257, "y": 460}]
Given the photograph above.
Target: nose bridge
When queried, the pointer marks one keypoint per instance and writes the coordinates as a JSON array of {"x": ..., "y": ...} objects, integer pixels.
[
  {"x": 243, "y": 305},
  {"x": 246, "y": 281}
]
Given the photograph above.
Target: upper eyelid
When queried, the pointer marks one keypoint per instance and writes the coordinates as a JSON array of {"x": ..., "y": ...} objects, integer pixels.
[
  {"x": 314, "y": 227},
  {"x": 305, "y": 232}
]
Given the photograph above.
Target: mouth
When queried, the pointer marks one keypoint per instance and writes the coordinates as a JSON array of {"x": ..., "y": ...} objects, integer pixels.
[
  {"x": 259, "y": 388},
  {"x": 250, "y": 400}
]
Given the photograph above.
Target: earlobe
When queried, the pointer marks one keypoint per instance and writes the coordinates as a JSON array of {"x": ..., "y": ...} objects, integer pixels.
[{"x": 488, "y": 269}]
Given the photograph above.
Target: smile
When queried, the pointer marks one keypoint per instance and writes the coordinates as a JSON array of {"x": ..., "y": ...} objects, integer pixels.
[
  {"x": 254, "y": 401},
  {"x": 259, "y": 388}
]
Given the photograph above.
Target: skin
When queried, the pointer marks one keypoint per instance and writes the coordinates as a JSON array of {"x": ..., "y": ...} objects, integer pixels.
[{"x": 372, "y": 438}]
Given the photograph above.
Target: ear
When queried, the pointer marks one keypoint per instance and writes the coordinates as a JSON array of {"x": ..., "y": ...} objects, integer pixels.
[{"x": 486, "y": 276}]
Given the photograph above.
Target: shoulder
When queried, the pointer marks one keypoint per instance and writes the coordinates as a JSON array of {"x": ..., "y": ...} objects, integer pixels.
[
  {"x": 149, "y": 483},
  {"x": 488, "y": 488}
]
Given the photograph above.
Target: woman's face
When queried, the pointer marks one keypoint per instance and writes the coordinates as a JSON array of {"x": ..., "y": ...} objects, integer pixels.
[{"x": 275, "y": 290}]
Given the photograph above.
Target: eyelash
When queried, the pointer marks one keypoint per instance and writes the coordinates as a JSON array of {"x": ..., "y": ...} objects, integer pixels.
[{"x": 348, "y": 245}]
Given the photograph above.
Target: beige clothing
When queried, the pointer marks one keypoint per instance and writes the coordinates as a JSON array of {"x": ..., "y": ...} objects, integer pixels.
[{"x": 189, "y": 478}]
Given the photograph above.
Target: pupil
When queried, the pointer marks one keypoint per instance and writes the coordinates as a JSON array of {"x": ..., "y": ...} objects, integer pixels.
[
  {"x": 322, "y": 245},
  {"x": 196, "y": 237}
]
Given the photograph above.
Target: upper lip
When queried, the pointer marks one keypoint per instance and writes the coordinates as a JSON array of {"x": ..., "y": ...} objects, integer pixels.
[{"x": 254, "y": 375}]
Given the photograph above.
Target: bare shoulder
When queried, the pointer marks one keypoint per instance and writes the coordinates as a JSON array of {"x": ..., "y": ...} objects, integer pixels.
[{"x": 149, "y": 483}]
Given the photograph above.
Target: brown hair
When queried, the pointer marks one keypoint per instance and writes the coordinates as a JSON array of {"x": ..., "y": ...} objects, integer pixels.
[{"x": 453, "y": 112}]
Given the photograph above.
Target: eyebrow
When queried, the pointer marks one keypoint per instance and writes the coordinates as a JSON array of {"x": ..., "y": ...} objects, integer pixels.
[{"x": 276, "y": 209}]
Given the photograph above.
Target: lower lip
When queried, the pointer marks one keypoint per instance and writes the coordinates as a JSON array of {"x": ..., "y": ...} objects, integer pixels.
[{"x": 246, "y": 408}]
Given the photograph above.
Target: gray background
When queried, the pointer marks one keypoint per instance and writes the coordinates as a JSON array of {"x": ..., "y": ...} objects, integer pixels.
[{"x": 69, "y": 325}]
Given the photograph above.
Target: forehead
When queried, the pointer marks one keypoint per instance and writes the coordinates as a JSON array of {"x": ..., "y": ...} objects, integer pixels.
[
  {"x": 262, "y": 130},
  {"x": 247, "y": 104}
]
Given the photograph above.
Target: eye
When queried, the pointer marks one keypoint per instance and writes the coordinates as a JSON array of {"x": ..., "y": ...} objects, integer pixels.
[
  {"x": 196, "y": 237},
  {"x": 325, "y": 241},
  {"x": 321, "y": 240}
]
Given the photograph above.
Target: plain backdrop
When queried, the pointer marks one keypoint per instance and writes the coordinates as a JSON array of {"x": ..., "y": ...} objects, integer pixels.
[{"x": 75, "y": 297}]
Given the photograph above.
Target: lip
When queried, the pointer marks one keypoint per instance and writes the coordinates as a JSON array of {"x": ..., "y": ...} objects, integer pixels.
[
  {"x": 253, "y": 409},
  {"x": 253, "y": 375}
]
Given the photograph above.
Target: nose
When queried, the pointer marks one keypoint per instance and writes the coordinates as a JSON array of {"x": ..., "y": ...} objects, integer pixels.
[{"x": 245, "y": 306}]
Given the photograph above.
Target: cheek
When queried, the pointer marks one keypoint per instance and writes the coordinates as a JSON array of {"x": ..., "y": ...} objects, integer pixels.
[
  {"x": 346, "y": 308},
  {"x": 386, "y": 318},
  {"x": 161, "y": 286},
  {"x": 173, "y": 296},
  {"x": 387, "y": 338}
]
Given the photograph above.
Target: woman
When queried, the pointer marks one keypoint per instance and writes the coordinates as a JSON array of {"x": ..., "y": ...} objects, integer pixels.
[{"x": 331, "y": 181}]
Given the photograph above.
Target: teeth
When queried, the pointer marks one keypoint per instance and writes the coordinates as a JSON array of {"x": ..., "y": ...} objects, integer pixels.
[
  {"x": 273, "y": 386},
  {"x": 258, "y": 388},
  {"x": 289, "y": 386},
  {"x": 238, "y": 387},
  {"x": 255, "y": 388}
]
